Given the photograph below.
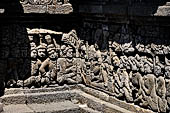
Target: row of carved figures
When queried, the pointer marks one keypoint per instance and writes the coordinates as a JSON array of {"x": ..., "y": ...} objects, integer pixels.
[
  {"x": 140, "y": 79},
  {"x": 152, "y": 48}
]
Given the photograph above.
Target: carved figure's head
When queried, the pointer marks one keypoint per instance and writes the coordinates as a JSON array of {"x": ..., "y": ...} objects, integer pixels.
[
  {"x": 69, "y": 53},
  {"x": 48, "y": 39},
  {"x": 33, "y": 53},
  {"x": 41, "y": 51},
  {"x": 52, "y": 52},
  {"x": 63, "y": 51},
  {"x": 157, "y": 70},
  {"x": 167, "y": 71}
]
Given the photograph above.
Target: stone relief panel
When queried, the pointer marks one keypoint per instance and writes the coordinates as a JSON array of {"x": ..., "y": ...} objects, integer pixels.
[
  {"x": 47, "y": 6},
  {"x": 133, "y": 65},
  {"x": 123, "y": 60}
]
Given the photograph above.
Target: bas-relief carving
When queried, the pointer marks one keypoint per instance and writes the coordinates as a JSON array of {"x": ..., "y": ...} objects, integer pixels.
[
  {"x": 47, "y": 6},
  {"x": 135, "y": 72}
]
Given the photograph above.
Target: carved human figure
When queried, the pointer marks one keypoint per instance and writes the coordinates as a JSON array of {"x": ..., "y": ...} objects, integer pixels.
[
  {"x": 137, "y": 82},
  {"x": 161, "y": 92},
  {"x": 32, "y": 43},
  {"x": 83, "y": 51},
  {"x": 63, "y": 51},
  {"x": 105, "y": 68},
  {"x": 48, "y": 67},
  {"x": 88, "y": 72},
  {"x": 148, "y": 49},
  {"x": 122, "y": 85},
  {"x": 133, "y": 63},
  {"x": 148, "y": 65},
  {"x": 99, "y": 77},
  {"x": 149, "y": 96},
  {"x": 67, "y": 69},
  {"x": 35, "y": 77},
  {"x": 50, "y": 41},
  {"x": 42, "y": 52},
  {"x": 127, "y": 47},
  {"x": 140, "y": 47},
  {"x": 124, "y": 62},
  {"x": 140, "y": 61},
  {"x": 116, "y": 46},
  {"x": 114, "y": 58}
]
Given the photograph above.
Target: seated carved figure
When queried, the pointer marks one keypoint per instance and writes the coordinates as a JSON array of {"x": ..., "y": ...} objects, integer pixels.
[
  {"x": 48, "y": 67},
  {"x": 99, "y": 69},
  {"x": 67, "y": 69},
  {"x": 42, "y": 52},
  {"x": 122, "y": 85},
  {"x": 137, "y": 81},
  {"x": 148, "y": 96},
  {"x": 35, "y": 78},
  {"x": 161, "y": 91}
]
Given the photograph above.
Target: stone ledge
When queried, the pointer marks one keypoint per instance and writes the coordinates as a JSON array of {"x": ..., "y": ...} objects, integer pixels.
[{"x": 95, "y": 99}]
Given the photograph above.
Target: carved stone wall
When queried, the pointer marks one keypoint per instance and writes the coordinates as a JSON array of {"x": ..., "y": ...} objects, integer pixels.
[
  {"x": 47, "y": 6},
  {"x": 36, "y": 6},
  {"x": 131, "y": 62}
]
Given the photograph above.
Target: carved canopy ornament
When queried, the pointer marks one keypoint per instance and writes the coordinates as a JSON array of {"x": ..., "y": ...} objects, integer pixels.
[{"x": 47, "y": 6}]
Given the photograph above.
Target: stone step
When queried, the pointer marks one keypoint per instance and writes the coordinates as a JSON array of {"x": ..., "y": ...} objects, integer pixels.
[
  {"x": 52, "y": 88},
  {"x": 95, "y": 101},
  {"x": 39, "y": 98},
  {"x": 100, "y": 105},
  {"x": 59, "y": 107},
  {"x": 111, "y": 100}
]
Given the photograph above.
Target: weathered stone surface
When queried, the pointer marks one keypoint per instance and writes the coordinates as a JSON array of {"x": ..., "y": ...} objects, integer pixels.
[
  {"x": 60, "y": 107},
  {"x": 50, "y": 6},
  {"x": 163, "y": 11},
  {"x": 125, "y": 57},
  {"x": 78, "y": 101}
]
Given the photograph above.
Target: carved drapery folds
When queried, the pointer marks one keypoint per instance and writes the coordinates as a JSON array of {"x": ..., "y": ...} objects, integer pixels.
[
  {"x": 117, "y": 62},
  {"x": 47, "y": 6}
]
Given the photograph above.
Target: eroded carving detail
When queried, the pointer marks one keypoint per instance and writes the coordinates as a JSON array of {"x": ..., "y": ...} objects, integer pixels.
[
  {"x": 47, "y": 6},
  {"x": 131, "y": 70}
]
